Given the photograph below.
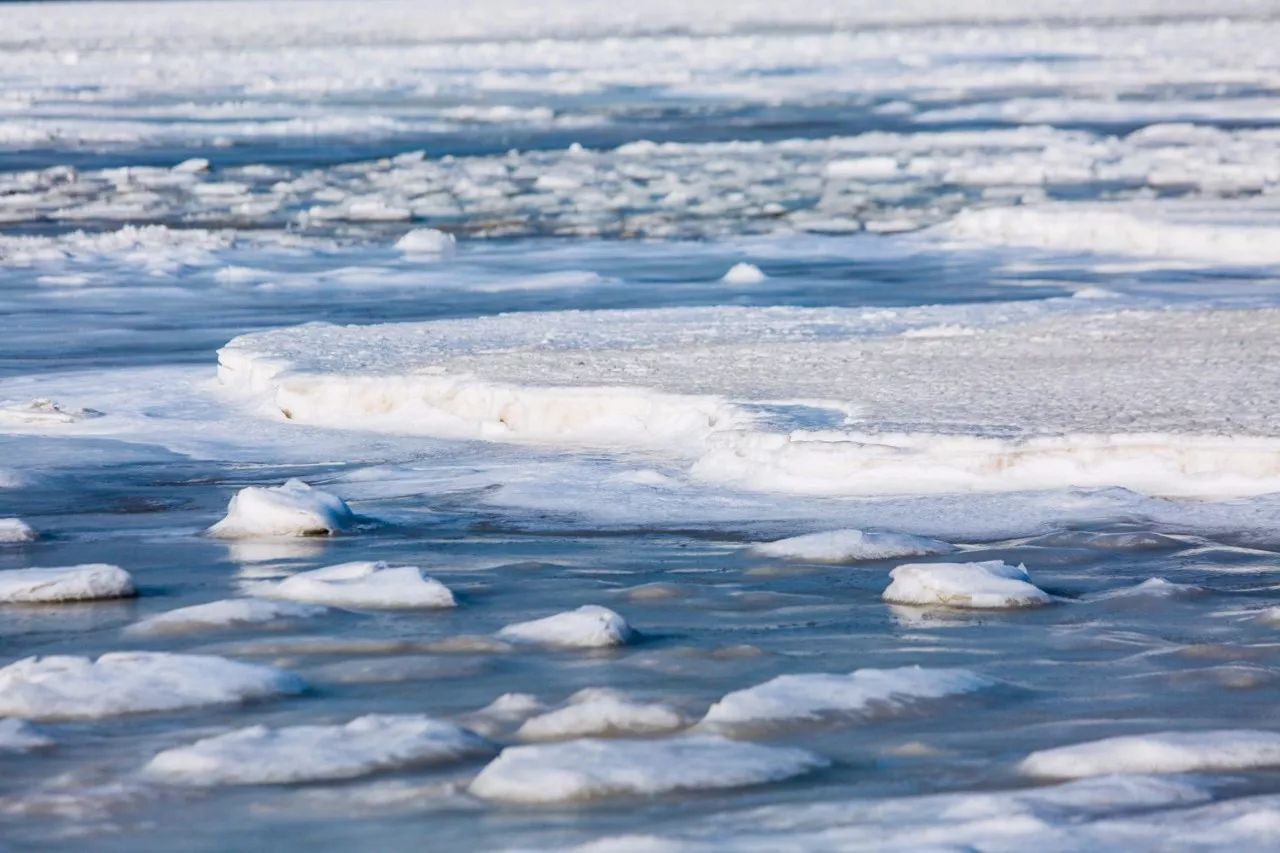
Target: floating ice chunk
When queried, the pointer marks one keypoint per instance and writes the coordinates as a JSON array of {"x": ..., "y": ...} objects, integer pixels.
[
  {"x": 263, "y": 756},
  {"x": 87, "y": 582},
  {"x": 601, "y": 713},
  {"x": 1162, "y": 752},
  {"x": 744, "y": 273},
  {"x": 228, "y": 613},
  {"x": 588, "y": 627},
  {"x": 846, "y": 546},
  {"x": 588, "y": 769},
  {"x": 21, "y": 736},
  {"x": 44, "y": 412},
  {"x": 987, "y": 585},
  {"x": 426, "y": 241},
  {"x": 380, "y": 586},
  {"x": 15, "y": 530},
  {"x": 508, "y": 710},
  {"x": 813, "y": 696},
  {"x": 191, "y": 166},
  {"x": 862, "y": 168},
  {"x": 77, "y": 688},
  {"x": 1150, "y": 588},
  {"x": 293, "y": 509}
]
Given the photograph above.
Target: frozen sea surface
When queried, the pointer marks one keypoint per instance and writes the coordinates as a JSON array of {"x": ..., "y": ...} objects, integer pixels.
[{"x": 558, "y": 313}]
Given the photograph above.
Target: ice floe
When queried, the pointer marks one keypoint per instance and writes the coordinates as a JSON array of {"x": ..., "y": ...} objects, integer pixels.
[
  {"x": 20, "y": 736},
  {"x": 587, "y": 627},
  {"x": 847, "y": 546},
  {"x": 744, "y": 273},
  {"x": 989, "y": 585},
  {"x": 68, "y": 687},
  {"x": 364, "y": 584},
  {"x": 1161, "y": 752},
  {"x": 426, "y": 241},
  {"x": 601, "y": 712},
  {"x": 88, "y": 582},
  {"x": 815, "y": 696},
  {"x": 15, "y": 530},
  {"x": 260, "y": 755},
  {"x": 589, "y": 768},
  {"x": 224, "y": 614},
  {"x": 292, "y": 509}
]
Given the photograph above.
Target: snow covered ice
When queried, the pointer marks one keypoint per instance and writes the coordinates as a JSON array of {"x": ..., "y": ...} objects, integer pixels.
[
  {"x": 989, "y": 585},
  {"x": 293, "y": 509},
  {"x": 1162, "y": 752},
  {"x": 362, "y": 584},
  {"x": 847, "y": 546},
  {"x": 587, "y": 627},
  {"x": 65, "y": 583},
  {"x": 15, "y": 530},
  {"x": 223, "y": 615},
  {"x": 601, "y": 712}
]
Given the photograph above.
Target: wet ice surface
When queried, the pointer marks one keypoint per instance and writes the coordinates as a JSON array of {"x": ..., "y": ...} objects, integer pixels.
[{"x": 935, "y": 285}]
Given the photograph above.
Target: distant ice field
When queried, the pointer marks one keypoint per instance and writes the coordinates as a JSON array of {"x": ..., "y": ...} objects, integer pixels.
[{"x": 674, "y": 426}]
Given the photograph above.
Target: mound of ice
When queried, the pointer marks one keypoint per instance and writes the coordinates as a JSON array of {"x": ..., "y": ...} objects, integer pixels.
[
  {"x": 15, "y": 530},
  {"x": 1162, "y": 752},
  {"x": 604, "y": 713},
  {"x": 589, "y": 769},
  {"x": 588, "y": 627},
  {"x": 70, "y": 688},
  {"x": 1149, "y": 588},
  {"x": 847, "y": 546},
  {"x": 293, "y": 509},
  {"x": 987, "y": 585},
  {"x": 263, "y": 756},
  {"x": 744, "y": 273},
  {"x": 379, "y": 586},
  {"x": 217, "y": 615},
  {"x": 21, "y": 736},
  {"x": 813, "y": 696},
  {"x": 87, "y": 582},
  {"x": 426, "y": 241}
]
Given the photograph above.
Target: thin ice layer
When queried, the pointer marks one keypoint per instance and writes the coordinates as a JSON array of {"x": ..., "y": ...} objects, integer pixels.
[
  {"x": 587, "y": 627},
  {"x": 291, "y": 509},
  {"x": 988, "y": 585},
  {"x": 224, "y": 614},
  {"x": 848, "y": 546},
  {"x": 362, "y": 584},
  {"x": 1162, "y": 752},
  {"x": 814, "y": 696},
  {"x": 259, "y": 755},
  {"x": 88, "y": 582},
  {"x": 64, "y": 687},
  {"x": 591, "y": 769}
]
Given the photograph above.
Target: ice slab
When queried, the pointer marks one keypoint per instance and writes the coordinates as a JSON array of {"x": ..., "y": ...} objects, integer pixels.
[
  {"x": 847, "y": 546},
  {"x": 88, "y": 582},
  {"x": 815, "y": 696},
  {"x": 374, "y": 585},
  {"x": 601, "y": 713},
  {"x": 259, "y": 755},
  {"x": 20, "y": 736},
  {"x": 292, "y": 509},
  {"x": 587, "y": 627},
  {"x": 1162, "y": 752},
  {"x": 64, "y": 687},
  {"x": 225, "y": 614},
  {"x": 15, "y": 530},
  {"x": 426, "y": 241},
  {"x": 744, "y": 273},
  {"x": 589, "y": 769},
  {"x": 989, "y": 585}
]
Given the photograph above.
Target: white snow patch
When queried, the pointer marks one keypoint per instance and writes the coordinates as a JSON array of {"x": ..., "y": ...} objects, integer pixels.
[
  {"x": 987, "y": 585},
  {"x": 812, "y": 696},
  {"x": 1162, "y": 752},
  {"x": 20, "y": 736},
  {"x": 587, "y": 627},
  {"x": 259, "y": 755},
  {"x": 16, "y": 530},
  {"x": 228, "y": 613},
  {"x": 375, "y": 585},
  {"x": 590, "y": 768},
  {"x": 42, "y": 411},
  {"x": 69, "y": 688},
  {"x": 744, "y": 273},
  {"x": 846, "y": 546},
  {"x": 602, "y": 713},
  {"x": 426, "y": 241},
  {"x": 293, "y": 509},
  {"x": 88, "y": 582},
  {"x": 862, "y": 168}
]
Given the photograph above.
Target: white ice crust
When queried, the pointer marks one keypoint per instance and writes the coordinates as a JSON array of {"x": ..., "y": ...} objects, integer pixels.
[
  {"x": 744, "y": 273},
  {"x": 259, "y": 755},
  {"x": 813, "y": 696},
  {"x": 218, "y": 615},
  {"x": 88, "y": 582},
  {"x": 989, "y": 585},
  {"x": 1162, "y": 752},
  {"x": 15, "y": 530},
  {"x": 64, "y": 687},
  {"x": 587, "y": 627},
  {"x": 292, "y": 509},
  {"x": 590, "y": 768},
  {"x": 20, "y": 736},
  {"x": 601, "y": 713},
  {"x": 847, "y": 546},
  {"x": 426, "y": 241},
  {"x": 373, "y": 585}
]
